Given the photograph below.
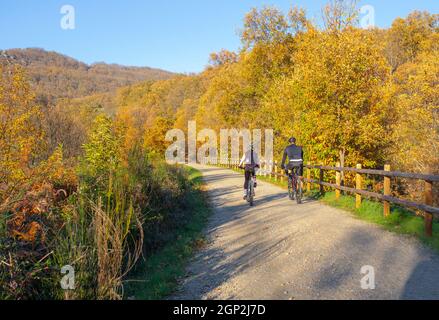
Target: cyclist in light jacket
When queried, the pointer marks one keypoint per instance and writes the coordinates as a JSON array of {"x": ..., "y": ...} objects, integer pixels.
[{"x": 249, "y": 162}]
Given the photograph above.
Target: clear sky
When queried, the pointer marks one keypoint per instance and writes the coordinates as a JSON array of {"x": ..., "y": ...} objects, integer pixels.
[{"x": 176, "y": 35}]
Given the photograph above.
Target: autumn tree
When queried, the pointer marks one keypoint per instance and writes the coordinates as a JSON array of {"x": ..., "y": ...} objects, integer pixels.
[
  {"x": 68, "y": 125},
  {"x": 406, "y": 37},
  {"x": 21, "y": 135},
  {"x": 333, "y": 102},
  {"x": 340, "y": 14},
  {"x": 102, "y": 150},
  {"x": 267, "y": 25},
  {"x": 236, "y": 93},
  {"x": 223, "y": 57},
  {"x": 416, "y": 128},
  {"x": 154, "y": 138}
]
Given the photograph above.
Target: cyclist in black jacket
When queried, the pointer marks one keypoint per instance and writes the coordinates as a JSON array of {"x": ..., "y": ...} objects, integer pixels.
[{"x": 295, "y": 156}]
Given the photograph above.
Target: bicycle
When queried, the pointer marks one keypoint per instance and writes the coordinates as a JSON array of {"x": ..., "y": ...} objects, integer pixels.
[
  {"x": 251, "y": 188},
  {"x": 251, "y": 191},
  {"x": 294, "y": 185}
]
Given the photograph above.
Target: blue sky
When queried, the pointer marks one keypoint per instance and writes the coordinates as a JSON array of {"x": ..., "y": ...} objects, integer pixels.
[{"x": 176, "y": 35}]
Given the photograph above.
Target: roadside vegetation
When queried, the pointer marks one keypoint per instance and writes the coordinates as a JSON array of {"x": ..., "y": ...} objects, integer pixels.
[
  {"x": 157, "y": 277},
  {"x": 112, "y": 201}
]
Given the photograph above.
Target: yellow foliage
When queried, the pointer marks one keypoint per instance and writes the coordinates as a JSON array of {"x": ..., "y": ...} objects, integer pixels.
[
  {"x": 21, "y": 136},
  {"x": 416, "y": 130},
  {"x": 154, "y": 138},
  {"x": 54, "y": 170}
]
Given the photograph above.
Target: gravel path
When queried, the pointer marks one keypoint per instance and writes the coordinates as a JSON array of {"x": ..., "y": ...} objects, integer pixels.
[{"x": 280, "y": 250}]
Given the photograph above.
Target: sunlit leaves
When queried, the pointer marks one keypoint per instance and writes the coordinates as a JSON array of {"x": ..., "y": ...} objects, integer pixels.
[{"x": 21, "y": 135}]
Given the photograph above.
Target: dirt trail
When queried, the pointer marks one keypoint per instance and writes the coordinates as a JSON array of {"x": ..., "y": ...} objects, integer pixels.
[{"x": 280, "y": 250}]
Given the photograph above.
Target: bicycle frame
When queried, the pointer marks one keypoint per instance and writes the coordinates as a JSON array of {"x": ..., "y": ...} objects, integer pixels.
[
  {"x": 251, "y": 189},
  {"x": 294, "y": 186}
]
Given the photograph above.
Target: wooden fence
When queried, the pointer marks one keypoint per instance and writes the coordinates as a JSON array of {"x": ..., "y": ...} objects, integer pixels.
[{"x": 426, "y": 208}]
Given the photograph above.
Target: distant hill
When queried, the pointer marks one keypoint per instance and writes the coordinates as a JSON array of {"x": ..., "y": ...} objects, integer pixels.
[{"x": 55, "y": 76}]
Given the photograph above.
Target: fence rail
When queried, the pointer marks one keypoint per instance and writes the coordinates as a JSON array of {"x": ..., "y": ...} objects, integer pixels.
[
  {"x": 426, "y": 209},
  {"x": 392, "y": 174}
]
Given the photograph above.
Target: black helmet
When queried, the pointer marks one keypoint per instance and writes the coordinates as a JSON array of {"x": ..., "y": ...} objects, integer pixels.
[{"x": 292, "y": 140}]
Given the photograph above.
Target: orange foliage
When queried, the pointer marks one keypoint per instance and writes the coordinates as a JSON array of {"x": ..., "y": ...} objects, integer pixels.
[
  {"x": 29, "y": 214},
  {"x": 54, "y": 170}
]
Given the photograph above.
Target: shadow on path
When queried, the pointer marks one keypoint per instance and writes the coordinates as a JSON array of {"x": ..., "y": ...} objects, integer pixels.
[{"x": 320, "y": 250}]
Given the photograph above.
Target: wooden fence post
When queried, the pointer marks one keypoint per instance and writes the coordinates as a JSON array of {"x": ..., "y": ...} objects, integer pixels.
[
  {"x": 428, "y": 201},
  {"x": 337, "y": 181},
  {"x": 275, "y": 171},
  {"x": 359, "y": 187},
  {"x": 308, "y": 176},
  {"x": 321, "y": 178},
  {"x": 387, "y": 191}
]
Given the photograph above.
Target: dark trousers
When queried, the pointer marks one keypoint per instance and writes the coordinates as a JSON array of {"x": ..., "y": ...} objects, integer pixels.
[
  {"x": 297, "y": 168},
  {"x": 249, "y": 173}
]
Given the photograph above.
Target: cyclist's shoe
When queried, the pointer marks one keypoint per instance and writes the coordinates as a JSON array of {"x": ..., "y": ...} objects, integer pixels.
[{"x": 245, "y": 195}]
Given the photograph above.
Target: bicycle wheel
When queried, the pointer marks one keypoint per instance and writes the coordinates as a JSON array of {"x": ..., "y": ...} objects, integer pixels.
[
  {"x": 251, "y": 193},
  {"x": 290, "y": 188},
  {"x": 294, "y": 187},
  {"x": 299, "y": 192}
]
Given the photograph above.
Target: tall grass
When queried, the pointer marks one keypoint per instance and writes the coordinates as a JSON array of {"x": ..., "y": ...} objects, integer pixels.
[
  {"x": 114, "y": 205},
  {"x": 102, "y": 240},
  {"x": 150, "y": 282},
  {"x": 111, "y": 219}
]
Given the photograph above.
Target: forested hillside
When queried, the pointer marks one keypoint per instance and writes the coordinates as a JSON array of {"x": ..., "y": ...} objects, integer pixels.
[{"x": 55, "y": 76}]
